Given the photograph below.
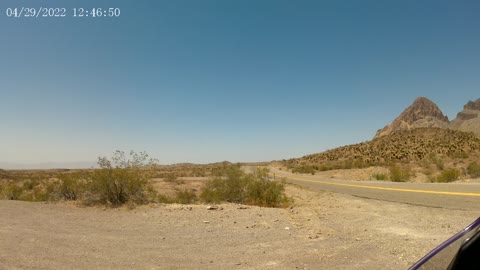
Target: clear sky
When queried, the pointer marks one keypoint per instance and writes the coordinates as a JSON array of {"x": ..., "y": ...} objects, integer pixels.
[{"x": 204, "y": 81}]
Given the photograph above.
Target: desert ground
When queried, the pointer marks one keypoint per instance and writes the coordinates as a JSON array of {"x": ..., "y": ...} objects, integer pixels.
[{"x": 321, "y": 230}]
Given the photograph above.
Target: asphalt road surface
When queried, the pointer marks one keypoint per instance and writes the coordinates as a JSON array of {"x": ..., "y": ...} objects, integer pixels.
[{"x": 460, "y": 196}]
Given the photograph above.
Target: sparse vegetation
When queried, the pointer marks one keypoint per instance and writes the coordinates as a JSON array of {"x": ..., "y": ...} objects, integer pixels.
[
  {"x": 473, "y": 169},
  {"x": 234, "y": 185},
  {"x": 400, "y": 173},
  {"x": 125, "y": 179},
  {"x": 185, "y": 196},
  {"x": 121, "y": 179},
  {"x": 305, "y": 169},
  {"x": 69, "y": 187},
  {"x": 170, "y": 177},
  {"x": 448, "y": 175},
  {"x": 440, "y": 164},
  {"x": 425, "y": 145},
  {"x": 10, "y": 190},
  {"x": 380, "y": 176},
  {"x": 459, "y": 155}
]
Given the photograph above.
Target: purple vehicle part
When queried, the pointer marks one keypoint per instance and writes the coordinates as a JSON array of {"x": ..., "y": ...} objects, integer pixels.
[{"x": 455, "y": 253}]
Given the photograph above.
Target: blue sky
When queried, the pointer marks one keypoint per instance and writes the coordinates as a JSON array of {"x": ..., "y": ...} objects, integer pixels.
[{"x": 206, "y": 81}]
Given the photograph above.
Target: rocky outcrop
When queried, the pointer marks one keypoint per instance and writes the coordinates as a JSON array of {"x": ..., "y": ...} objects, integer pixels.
[
  {"x": 423, "y": 113},
  {"x": 469, "y": 118},
  {"x": 472, "y": 105}
]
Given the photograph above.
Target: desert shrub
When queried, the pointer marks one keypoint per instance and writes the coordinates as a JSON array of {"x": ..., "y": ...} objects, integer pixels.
[
  {"x": 439, "y": 163},
  {"x": 323, "y": 168},
  {"x": 473, "y": 169},
  {"x": 263, "y": 192},
  {"x": 170, "y": 177},
  {"x": 185, "y": 196},
  {"x": 41, "y": 193},
  {"x": 234, "y": 185},
  {"x": 459, "y": 154},
  {"x": 121, "y": 179},
  {"x": 304, "y": 169},
  {"x": 400, "y": 173},
  {"x": 24, "y": 190},
  {"x": 38, "y": 193},
  {"x": 69, "y": 187},
  {"x": 380, "y": 176},
  {"x": 229, "y": 185},
  {"x": 160, "y": 198},
  {"x": 427, "y": 171},
  {"x": 10, "y": 190},
  {"x": 30, "y": 184},
  {"x": 448, "y": 175}
]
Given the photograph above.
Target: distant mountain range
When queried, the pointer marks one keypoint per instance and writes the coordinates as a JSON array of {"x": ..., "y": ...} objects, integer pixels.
[{"x": 424, "y": 113}]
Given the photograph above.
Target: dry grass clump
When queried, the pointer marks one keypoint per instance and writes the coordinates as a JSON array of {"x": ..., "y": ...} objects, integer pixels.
[
  {"x": 305, "y": 169},
  {"x": 448, "y": 175},
  {"x": 10, "y": 190},
  {"x": 400, "y": 173},
  {"x": 473, "y": 169},
  {"x": 186, "y": 196},
  {"x": 234, "y": 185},
  {"x": 380, "y": 176}
]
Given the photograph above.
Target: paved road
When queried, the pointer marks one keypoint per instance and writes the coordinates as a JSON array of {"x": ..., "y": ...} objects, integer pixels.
[{"x": 462, "y": 196}]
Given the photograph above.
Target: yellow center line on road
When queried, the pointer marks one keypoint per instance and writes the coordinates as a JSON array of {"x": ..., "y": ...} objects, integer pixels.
[{"x": 384, "y": 188}]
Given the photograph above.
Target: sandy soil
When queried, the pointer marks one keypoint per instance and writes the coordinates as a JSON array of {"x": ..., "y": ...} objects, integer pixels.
[{"x": 322, "y": 231}]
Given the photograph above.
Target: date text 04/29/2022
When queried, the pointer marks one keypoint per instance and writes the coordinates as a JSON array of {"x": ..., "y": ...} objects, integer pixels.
[{"x": 48, "y": 12}]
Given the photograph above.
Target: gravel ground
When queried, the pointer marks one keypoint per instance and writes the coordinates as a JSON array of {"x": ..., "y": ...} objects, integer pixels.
[{"x": 321, "y": 231}]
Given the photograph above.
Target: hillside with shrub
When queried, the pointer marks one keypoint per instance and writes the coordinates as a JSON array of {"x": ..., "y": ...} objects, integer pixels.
[
  {"x": 408, "y": 145},
  {"x": 433, "y": 149}
]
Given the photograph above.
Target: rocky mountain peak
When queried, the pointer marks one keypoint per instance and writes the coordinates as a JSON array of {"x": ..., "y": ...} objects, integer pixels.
[
  {"x": 472, "y": 105},
  {"x": 422, "y": 113},
  {"x": 469, "y": 118},
  {"x": 422, "y": 107}
]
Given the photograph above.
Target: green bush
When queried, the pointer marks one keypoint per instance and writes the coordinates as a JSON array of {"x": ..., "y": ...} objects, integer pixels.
[
  {"x": 186, "y": 196},
  {"x": 323, "y": 168},
  {"x": 400, "y": 173},
  {"x": 229, "y": 185},
  {"x": 69, "y": 187},
  {"x": 170, "y": 177},
  {"x": 473, "y": 169},
  {"x": 9, "y": 190},
  {"x": 448, "y": 175},
  {"x": 31, "y": 189},
  {"x": 121, "y": 179},
  {"x": 234, "y": 185},
  {"x": 305, "y": 169},
  {"x": 263, "y": 192},
  {"x": 160, "y": 198},
  {"x": 380, "y": 176},
  {"x": 30, "y": 184}
]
